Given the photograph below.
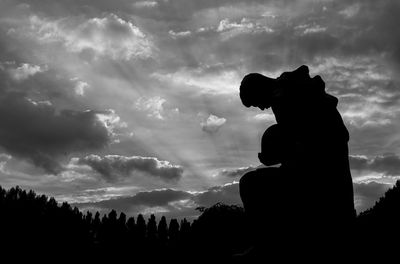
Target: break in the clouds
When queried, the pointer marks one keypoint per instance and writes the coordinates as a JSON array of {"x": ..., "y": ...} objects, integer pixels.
[
  {"x": 116, "y": 84},
  {"x": 115, "y": 167}
]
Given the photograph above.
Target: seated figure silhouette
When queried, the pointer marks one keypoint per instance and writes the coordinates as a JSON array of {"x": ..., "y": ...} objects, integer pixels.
[
  {"x": 266, "y": 182},
  {"x": 316, "y": 185}
]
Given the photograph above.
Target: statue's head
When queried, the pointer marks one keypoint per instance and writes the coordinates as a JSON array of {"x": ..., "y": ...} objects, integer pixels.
[{"x": 255, "y": 90}]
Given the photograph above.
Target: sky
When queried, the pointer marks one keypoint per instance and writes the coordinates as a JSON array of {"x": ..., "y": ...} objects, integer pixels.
[{"x": 134, "y": 105}]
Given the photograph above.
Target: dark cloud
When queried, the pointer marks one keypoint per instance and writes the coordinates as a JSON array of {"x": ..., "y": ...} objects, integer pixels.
[
  {"x": 115, "y": 167},
  {"x": 37, "y": 132},
  {"x": 228, "y": 194},
  {"x": 382, "y": 36},
  {"x": 41, "y": 121},
  {"x": 366, "y": 194},
  {"x": 370, "y": 140},
  {"x": 358, "y": 162},
  {"x": 157, "y": 198},
  {"x": 388, "y": 164}
]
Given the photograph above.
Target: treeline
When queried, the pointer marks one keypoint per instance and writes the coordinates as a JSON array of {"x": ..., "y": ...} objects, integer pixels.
[
  {"x": 32, "y": 222},
  {"x": 37, "y": 226},
  {"x": 387, "y": 208},
  {"x": 379, "y": 226}
]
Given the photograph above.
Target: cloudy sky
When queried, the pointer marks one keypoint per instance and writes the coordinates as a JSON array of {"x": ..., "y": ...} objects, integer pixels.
[{"x": 134, "y": 105}]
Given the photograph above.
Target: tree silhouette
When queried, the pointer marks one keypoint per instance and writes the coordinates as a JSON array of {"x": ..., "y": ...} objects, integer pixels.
[
  {"x": 173, "y": 231},
  {"x": 152, "y": 229},
  {"x": 141, "y": 228},
  {"x": 131, "y": 229},
  {"x": 162, "y": 230}
]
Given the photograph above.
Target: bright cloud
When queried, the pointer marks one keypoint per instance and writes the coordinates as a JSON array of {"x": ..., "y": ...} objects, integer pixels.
[
  {"x": 109, "y": 35},
  {"x": 265, "y": 117},
  {"x": 351, "y": 11},
  {"x": 212, "y": 124},
  {"x": 80, "y": 87},
  {"x": 314, "y": 29},
  {"x": 153, "y": 106},
  {"x": 24, "y": 71},
  {"x": 180, "y": 34},
  {"x": 145, "y": 4},
  {"x": 111, "y": 121},
  {"x": 221, "y": 83}
]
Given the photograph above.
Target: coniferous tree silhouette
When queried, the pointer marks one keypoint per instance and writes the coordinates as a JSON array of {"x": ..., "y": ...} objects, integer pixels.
[
  {"x": 96, "y": 227},
  {"x": 131, "y": 230},
  {"x": 141, "y": 227},
  {"x": 184, "y": 231},
  {"x": 152, "y": 229},
  {"x": 173, "y": 232},
  {"x": 378, "y": 225},
  {"x": 162, "y": 230}
]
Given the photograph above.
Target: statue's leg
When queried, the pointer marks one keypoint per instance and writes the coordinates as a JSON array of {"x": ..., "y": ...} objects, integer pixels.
[{"x": 258, "y": 192}]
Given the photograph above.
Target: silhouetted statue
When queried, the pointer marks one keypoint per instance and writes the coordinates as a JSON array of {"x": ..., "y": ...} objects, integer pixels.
[{"x": 310, "y": 141}]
